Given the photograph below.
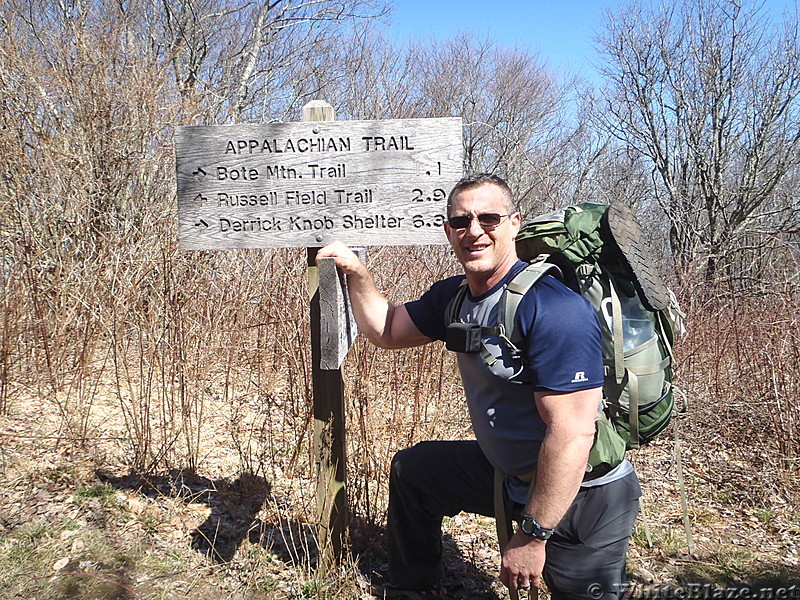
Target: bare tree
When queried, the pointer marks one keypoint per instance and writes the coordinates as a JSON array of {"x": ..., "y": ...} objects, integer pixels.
[
  {"x": 364, "y": 75},
  {"x": 706, "y": 91},
  {"x": 513, "y": 108}
]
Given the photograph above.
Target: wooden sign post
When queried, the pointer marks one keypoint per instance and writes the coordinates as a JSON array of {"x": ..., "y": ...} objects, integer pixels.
[
  {"x": 305, "y": 185},
  {"x": 329, "y": 415}
]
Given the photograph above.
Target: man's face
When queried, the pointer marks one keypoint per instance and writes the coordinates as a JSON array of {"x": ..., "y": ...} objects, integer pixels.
[{"x": 483, "y": 251}]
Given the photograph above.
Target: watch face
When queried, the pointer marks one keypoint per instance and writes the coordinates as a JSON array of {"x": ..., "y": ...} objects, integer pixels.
[{"x": 529, "y": 525}]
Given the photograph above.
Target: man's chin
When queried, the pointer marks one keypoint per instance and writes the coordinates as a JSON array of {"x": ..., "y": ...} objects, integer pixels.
[{"x": 475, "y": 266}]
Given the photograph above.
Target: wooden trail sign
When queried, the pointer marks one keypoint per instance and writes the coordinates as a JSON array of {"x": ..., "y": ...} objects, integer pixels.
[{"x": 309, "y": 183}]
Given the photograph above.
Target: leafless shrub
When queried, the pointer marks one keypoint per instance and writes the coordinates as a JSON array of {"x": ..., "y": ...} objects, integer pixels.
[
  {"x": 740, "y": 365},
  {"x": 705, "y": 94}
]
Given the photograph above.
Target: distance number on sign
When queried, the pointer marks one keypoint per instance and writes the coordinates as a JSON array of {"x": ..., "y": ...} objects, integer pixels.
[
  {"x": 428, "y": 221},
  {"x": 437, "y": 195}
]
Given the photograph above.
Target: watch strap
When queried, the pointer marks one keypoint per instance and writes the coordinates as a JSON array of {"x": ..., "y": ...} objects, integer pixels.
[{"x": 531, "y": 527}]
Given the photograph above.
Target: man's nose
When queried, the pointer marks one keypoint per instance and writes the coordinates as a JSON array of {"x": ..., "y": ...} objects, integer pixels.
[{"x": 474, "y": 228}]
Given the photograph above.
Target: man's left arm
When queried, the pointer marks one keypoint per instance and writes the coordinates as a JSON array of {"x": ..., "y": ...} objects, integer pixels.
[{"x": 570, "y": 419}]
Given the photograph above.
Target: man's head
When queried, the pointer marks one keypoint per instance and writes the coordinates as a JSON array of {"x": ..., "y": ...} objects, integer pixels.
[
  {"x": 481, "y": 227},
  {"x": 478, "y": 179}
]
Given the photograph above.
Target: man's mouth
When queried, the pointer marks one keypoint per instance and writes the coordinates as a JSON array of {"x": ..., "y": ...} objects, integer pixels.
[{"x": 477, "y": 248}]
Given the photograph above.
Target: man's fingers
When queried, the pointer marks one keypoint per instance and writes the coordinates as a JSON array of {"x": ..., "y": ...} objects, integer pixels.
[
  {"x": 524, "y": 583},
  {"x": 511, "y": 579},
  {"x": 516, "y": 580},
  {"x": 333, "y": 249}
]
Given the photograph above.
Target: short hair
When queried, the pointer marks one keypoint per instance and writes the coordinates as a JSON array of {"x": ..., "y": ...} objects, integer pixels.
[{"x": 475, "y": 180}]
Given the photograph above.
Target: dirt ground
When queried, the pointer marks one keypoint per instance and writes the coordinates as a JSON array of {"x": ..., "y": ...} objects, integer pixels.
[{"x": 76, "y": 522}]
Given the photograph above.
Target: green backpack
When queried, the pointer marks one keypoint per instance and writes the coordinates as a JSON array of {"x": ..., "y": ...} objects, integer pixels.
[{"x": 601, "y": 253}]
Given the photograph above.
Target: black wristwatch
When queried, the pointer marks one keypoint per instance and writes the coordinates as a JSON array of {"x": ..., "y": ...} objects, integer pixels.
[{"x": 529, "y": 525}]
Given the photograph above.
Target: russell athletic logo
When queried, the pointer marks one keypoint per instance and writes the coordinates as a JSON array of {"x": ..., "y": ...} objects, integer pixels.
[{"x": 580, "y": 377}]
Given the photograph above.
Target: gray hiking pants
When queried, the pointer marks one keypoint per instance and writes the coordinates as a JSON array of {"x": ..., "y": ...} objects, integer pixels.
[{"x": 585, "y": 555}]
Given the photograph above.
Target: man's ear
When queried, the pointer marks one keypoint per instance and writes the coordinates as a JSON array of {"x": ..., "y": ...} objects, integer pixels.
[{"x": 516, "y": 222}]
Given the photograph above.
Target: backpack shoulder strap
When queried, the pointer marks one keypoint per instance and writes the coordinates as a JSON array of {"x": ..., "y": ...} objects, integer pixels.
[
  {"x": 512, "y": 296},
  {"x": 510, "y": 299},
  {"x": 454, "y": 306},
  {"x": 452, "y": 311},
  {"x": 518, "y": 287}
]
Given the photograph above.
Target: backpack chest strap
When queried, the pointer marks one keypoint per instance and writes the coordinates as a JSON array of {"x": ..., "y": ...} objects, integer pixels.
[{"x": 505, "y": 328}]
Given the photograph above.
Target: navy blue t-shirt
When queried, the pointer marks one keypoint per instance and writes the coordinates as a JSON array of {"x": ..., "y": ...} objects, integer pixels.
[
  {"x": 562, "y": 335},
  {"x": 562, "y": 354}
]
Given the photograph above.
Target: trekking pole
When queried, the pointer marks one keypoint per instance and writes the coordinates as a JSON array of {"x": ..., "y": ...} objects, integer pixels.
[{"x": 682, "y": 486}]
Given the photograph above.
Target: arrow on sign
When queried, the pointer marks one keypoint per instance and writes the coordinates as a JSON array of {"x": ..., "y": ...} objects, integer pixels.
[
  {"x": 201, "y": 222},
  {"x": 199, "y": 172}
]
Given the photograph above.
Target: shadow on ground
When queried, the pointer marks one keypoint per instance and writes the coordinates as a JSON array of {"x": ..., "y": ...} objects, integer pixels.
[
  {"x": 233, "y": 518},
  {"x": 235, "y": 506},
  {"x": 703, "y": 579},
  {"x": 463, "y": 579}
]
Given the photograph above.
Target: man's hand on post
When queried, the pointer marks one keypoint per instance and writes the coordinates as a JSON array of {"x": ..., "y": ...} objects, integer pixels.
[
  {"x": 384, "y": 324},
  {"x": 522, "y": 562},
  {"x": 345, "y": 258}
]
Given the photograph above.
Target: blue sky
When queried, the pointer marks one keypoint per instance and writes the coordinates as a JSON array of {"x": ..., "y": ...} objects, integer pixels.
[{"x": 562, "y": 31}]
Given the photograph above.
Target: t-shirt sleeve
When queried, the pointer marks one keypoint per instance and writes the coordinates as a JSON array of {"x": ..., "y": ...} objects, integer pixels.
[
  {"x": 563, "y": 349},
  {"x": 428, "y": 313}
]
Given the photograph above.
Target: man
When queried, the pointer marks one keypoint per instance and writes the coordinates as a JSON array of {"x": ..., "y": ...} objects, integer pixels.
[{"x": 537, "y": 429}]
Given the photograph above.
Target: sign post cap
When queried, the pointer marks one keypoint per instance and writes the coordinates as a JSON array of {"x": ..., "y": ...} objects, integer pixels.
[{"x": 318, "y": 110}]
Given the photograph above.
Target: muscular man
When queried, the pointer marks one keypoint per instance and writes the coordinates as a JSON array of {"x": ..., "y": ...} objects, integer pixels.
[{"x": 537, "y": 429}]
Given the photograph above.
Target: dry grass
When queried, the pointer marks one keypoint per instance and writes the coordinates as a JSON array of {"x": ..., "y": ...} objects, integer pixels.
[{"x": 174, "y": 460}]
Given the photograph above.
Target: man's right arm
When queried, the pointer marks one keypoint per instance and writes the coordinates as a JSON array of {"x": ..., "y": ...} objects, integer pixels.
[{"x": 385, "y": 324}]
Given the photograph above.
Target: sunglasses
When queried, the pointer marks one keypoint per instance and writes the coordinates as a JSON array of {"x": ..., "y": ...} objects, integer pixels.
[{"x": 486, "y": 220}]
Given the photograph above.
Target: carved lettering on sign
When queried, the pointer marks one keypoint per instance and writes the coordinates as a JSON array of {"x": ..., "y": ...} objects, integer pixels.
[
  {"x": 278, "y": 146},
  {"x": 307, "y": 184},
  {"x": 379, "y": 142},
  {"x": 328, "y": 172}
]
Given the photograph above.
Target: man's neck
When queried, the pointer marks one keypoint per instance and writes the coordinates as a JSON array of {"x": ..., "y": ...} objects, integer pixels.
[{"x": 480, "y": 283}]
